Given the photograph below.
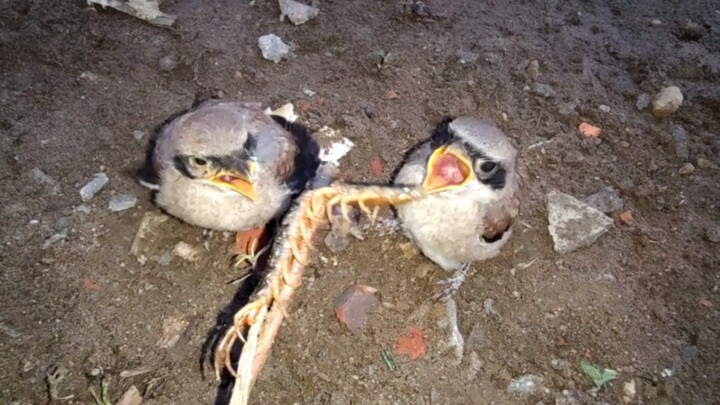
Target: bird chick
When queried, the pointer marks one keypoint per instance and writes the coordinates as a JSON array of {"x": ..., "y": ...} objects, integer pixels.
[
  {"x": 470, "y": 165},
  {"x": 228, "y": 166}
]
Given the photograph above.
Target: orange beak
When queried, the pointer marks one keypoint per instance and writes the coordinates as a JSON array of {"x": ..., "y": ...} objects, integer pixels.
[
  {"x": 238, "y": 182},
  {"x": 448, "y": 168}
]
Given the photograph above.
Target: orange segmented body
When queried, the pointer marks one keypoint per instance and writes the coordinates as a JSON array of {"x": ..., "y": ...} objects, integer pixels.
[{"x": 290, "y": 256}]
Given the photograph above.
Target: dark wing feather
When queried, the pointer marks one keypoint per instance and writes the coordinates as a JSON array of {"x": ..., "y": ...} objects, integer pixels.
[{"x": 300, "y": 160}]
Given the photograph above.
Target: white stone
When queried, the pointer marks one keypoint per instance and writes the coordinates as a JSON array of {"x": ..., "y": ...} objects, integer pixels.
[
  {"x": 574, "y": 224},
  {"x": 667, "y": 101},
  {"x": 273, "y": 48},
  {"x": 297, "y": 12}
]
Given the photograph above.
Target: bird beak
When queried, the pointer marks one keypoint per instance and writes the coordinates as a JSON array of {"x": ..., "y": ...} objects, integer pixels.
[
  {"x": 238, "y": 181},
  {"x": 448, "y": 168}
]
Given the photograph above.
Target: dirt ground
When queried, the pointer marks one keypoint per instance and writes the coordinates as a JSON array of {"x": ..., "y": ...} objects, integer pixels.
[{"x": 77, "y": 82}]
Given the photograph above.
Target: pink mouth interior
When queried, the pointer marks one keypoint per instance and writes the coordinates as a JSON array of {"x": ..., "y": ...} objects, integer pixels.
[{"x": 451, "y": 169}]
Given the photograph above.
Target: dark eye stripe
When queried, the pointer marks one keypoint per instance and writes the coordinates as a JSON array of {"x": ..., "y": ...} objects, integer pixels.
[{"x": 497, "y": 180}]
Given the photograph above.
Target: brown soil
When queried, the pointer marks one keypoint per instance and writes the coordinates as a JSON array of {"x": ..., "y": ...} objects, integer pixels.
[{"x": 76, "y": 82}]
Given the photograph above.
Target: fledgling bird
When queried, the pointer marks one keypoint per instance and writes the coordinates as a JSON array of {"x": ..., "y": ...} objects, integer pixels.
[
  {"x": 228, "y": 166},
  {"x": 470, "y": 164}
]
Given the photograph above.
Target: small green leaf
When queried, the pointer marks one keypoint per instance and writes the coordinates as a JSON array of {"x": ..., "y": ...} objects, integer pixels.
[{"x": 599, "y": 378}]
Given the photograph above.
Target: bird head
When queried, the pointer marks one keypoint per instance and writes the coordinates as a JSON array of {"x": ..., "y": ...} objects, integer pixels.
[
  {"x": 468, "y": 153},
  {"x": 231, "y": 172}
]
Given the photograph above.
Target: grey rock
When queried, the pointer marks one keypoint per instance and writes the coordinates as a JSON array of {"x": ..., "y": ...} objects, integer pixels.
[
  {"x": 569, "y": 108},
  {"x": 94, "y": 186},
  {"x": 455, "y": 338},
  {"x": 690, "y": 353},
  {"x": 559, "y": 364},
  {"x": 604, "y": 108},
  {"x": 643, "y": 101},
  {"x": 165, "y": 259},
  {"x": 606, "y": 200},
  {"x": 682, "y": 142},
  {"x": 524, "y": 386},
  {"x": 667, "y": 101},
  {"x": 297, "y": 12},
  {"x": 543, "y": 90},
  {"x": 45, "y": 180},
  {"x": 121, "y": 202},
  {"x": 273, "y": 48},
  {"x": 574, "y": 224}
]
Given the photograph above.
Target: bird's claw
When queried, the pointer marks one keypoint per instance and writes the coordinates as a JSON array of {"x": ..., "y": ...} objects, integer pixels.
[
  {"x": 248, "y": 261},
  {"x": 451, "y": 285}
]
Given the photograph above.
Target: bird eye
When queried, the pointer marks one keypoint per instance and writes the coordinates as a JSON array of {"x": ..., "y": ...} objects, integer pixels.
[
  {"x": 199, "y": 161},
  {"x": 488, "y": 167}
]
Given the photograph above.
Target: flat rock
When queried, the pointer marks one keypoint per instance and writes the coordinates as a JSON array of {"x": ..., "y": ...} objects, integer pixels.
[
  {"x": 121, "y": 202},
  {"x": 667, "y": 101},
  {"x": 148, "y": 227},
  {"x": 297, "y": 12},
  {"x": 130, "y": 397},
  {"x": 94, "y": 186},
  {"x": 606, "y": 200},
  {"x": 354, "y": 305},
  {"x": 574, "y": 224}
]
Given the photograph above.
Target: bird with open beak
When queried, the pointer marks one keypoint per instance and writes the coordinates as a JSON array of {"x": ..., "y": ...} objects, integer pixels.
[
  {"x": 228, "y": 166},
  {"x": 469, "y": 165}
]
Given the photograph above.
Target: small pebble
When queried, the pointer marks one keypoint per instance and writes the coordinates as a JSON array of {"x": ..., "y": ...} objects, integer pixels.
[
  {"x": 354, "y": 305},
  {"x": 666, "y": 373},
  {"x": 88, "y": 191},
  {"x": 489, "y": 306},
  {"x": 121, "y": 202},
  {"x": 656, "y": 23},
  {"x": 559, "y": 364},
  {"x": 185, "y": 251},
  {"x": 682, "y": 142},
  {"x": 626, "y": 217},
  {"x": 629, "y": 390},
  {"x": 604, "y": 108},
  {"x": 524, "y": 386},
  {"x": 643, "y": 101},
  {"x": 138, "y": 135},
  {"x": 543, "y": 90},
  {"x": 533, "y": 69},
  {"x": 687, "y": 168},
  {"x": 667, "y": 101},
  {"x": 706, "y": 164}
]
